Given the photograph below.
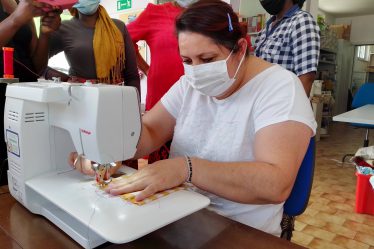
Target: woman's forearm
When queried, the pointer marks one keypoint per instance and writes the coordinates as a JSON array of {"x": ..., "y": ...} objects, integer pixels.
[
  {"x": 8, "y": 29},
  {"x": 40, "y": 55},
  {"x": 142, "y": 64},
  {"x": 157, "y": 128},
  {"x": 149, "y": 142},
  {"x": 244, "y": 182}
]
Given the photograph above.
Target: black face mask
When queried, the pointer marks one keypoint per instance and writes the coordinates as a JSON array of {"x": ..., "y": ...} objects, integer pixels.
[{"x": 273, "y": 7}]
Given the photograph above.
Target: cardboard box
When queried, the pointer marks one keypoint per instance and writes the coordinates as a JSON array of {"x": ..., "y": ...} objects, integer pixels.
[{"x": 343, "y": 31}]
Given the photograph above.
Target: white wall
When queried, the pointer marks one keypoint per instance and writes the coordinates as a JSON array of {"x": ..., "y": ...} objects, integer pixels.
[
  {"x": 362, "y": 28},
  {"x": 250, "y": 8},
  {"x": 312, "y": 7}
]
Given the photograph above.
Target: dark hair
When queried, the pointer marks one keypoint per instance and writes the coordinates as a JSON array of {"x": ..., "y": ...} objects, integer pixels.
[
  {"x": 214, "y": 19},
  {"x": 299, "y": 2}
]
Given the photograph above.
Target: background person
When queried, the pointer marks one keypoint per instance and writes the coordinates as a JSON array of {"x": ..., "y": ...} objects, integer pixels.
[
  {"x": 156, "y": 26},
  {"x": 290, "y": 39},
  {"x": 97, "y": 47}
]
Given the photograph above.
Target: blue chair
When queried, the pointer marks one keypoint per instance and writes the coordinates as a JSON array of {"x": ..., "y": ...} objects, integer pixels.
[
  {"x": 363, "y": 96},
  {"x": 299, "y": 197}
]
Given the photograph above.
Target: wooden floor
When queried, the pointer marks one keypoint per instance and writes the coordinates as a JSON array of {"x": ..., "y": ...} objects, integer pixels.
[{"x": 330, "y": 220}]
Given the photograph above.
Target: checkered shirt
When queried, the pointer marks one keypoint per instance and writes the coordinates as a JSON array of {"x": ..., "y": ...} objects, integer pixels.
[{"x": 293, "y": 42}]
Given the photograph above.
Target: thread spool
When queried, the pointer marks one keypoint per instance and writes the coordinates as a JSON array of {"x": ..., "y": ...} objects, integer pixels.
[{"x": 8, "y": 62}]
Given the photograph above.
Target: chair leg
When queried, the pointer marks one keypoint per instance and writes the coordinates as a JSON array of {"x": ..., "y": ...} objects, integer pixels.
[
  {"x": 366, "y": 141},
  {"x": 346, "y": 155},
  {"x": 287, "y": 225}
]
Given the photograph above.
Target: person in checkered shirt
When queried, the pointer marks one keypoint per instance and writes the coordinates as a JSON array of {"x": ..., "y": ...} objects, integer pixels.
[{"x": 291, "y": 39}]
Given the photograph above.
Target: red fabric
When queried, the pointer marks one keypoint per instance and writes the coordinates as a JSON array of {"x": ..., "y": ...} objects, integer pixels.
[{"x": 156, "y": 26}]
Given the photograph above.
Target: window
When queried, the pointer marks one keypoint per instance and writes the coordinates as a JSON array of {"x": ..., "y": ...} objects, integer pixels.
[{"x": 363, "y": 52}]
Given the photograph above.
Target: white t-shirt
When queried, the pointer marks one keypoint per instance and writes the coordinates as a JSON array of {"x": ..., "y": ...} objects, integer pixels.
[{"x": 224, "y": 130}]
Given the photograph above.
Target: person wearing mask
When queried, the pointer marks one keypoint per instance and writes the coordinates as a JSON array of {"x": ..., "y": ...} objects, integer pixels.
[
  {"x": 156, "y": 26},
  {"x": 237, "y": 137},
  {"x": 97, "y": 48},
  {"x": 18, "y": 31},
  {"x": 290, "y": 39}
]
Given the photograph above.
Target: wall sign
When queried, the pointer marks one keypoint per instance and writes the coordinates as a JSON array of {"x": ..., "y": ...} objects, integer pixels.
[{"x": 124, "y": 4}]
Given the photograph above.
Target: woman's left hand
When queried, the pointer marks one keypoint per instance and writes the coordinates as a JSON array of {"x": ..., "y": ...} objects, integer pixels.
[
  {"x": 50, "y": 22},
  {"x": 159, "y": 176}
]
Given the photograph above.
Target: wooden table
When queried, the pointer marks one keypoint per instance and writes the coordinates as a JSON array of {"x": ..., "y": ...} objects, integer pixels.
[
  {"x": 19, "y": 228},
  {"x": 361, "y": 115}
]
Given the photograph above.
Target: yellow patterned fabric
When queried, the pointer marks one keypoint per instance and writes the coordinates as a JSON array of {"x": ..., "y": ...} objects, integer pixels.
[
  {"x": 130, "y": 197},
  {"x": 109, "y": 49}
]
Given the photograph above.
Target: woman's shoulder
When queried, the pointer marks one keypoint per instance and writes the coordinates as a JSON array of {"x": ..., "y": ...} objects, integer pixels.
[
  {"x": 302, "y": 16},
  {"x": 159, "y": 7},
  {"x": 71, "y": 23},
  {"x": 119, "y": 23},
  {"x": 273, "y": 79},
  {"x": 280, "y": 76},
  {"x": 268, "y": 72}
]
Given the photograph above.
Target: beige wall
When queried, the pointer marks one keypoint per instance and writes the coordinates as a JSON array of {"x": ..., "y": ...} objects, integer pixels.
[{"x": 362, "y": 28}]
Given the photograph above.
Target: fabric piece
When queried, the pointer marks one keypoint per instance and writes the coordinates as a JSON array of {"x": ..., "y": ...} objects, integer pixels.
[
  {"x": 224, "y": 130},
  {"x": 109, "y": 49},
  {"x": 366, "y": 152},
  {"x": 156, "y": 26},
  {"x": 293, "y": 43},
  {"x": 130, "y": 197}
]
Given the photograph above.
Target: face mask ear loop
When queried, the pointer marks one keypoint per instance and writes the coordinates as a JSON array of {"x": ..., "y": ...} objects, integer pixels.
[
  {"x": 228, "y": 57},
  {"x": 240, "y": 63}
]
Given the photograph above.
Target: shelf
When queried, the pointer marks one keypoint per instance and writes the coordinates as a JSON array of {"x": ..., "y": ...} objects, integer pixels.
[
  {"x": 327, "y": 62},
  {"x": 328, "y": 50}
]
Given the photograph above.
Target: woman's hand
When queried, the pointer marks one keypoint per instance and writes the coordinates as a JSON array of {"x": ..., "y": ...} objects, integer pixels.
[
  {"x": 28, "y": 9},
  {"x": 159, "y": 176},
  {"x": 84, "y": 165},
  {"x": 81, "y": 164},
  {"x": 50, "y": 22}
]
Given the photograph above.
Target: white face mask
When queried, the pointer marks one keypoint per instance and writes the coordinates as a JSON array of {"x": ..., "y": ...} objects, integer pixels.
[
  {"x": 185, "y": 3},
  {"x": 211, "y": 79}
]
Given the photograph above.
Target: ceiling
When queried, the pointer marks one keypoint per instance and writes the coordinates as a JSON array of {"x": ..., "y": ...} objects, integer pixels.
[{"x": 345, "y": 8}]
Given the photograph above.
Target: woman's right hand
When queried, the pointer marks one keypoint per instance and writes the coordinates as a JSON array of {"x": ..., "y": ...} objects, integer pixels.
[
  {"x": 80, "y": 163},
  {"x": 28, "y": 9},
  {"x": 50, "y": 22}
]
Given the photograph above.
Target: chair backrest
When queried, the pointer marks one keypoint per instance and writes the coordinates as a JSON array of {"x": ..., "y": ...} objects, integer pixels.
[
  {"x": 364, "y": 95},
  {"x": 299, "y": 197}
]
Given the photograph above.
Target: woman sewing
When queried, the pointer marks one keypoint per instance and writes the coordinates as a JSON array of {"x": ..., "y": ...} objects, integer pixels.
[{"x": 240, "y": 125}]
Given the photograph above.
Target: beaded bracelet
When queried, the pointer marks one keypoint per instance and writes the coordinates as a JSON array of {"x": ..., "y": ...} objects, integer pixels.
[{"x": 189, "y": 169}]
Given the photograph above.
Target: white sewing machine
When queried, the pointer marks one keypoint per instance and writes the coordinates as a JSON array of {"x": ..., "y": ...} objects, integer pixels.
[{"x": 43, "y": 123}]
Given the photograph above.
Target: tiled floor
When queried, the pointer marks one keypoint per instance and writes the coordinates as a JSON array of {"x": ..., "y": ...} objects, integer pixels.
[{"x": 330, "y": 220}]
